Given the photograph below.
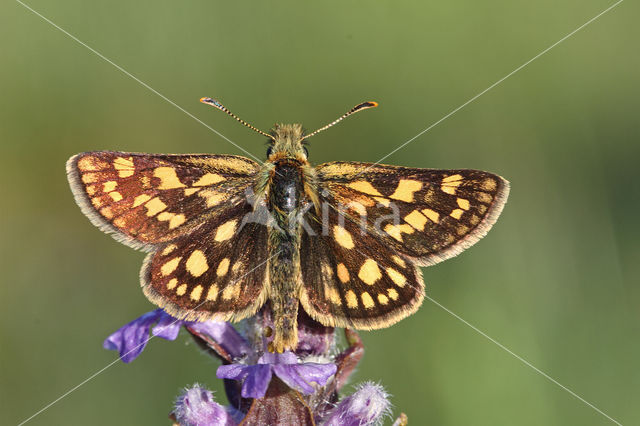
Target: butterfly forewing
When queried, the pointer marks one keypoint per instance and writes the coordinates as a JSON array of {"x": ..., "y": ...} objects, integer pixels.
[
  {"x": 351, "y": 278},
  {"x": 426, "y": 214},
  {"x": 148, "y": 199}
]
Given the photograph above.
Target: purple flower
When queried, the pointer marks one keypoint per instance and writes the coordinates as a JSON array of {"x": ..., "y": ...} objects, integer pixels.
[
  {"x": 130, "y": 339},
  {"x": 196, "y": 407},
  {"x": 296, "y": 375},
  {"x": 367, "y": 405}
]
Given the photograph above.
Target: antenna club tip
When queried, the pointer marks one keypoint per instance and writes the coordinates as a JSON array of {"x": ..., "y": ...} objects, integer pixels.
[
  {"x": 374, "y": 104},
  {"x": 212, "y": 102}
]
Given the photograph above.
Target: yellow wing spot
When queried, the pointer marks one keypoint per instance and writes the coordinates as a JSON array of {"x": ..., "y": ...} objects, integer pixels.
[
  {"x": 119, "y": 222},
  {"x": 169, "y": 249},
  {"x": 91, "y": 189},
  {"x": 343, "y": 273},
  {"x": 369, "y": 272},
  {"x": 170, "y": 266},
  {"x": 463, "y": 204},
  {"x": 367, "y": 300},
  {"x": 456, "y": 214},
  {"x": 450, "y": 183},
  {"x": 173, "y": 283},
  {"x": 122, "y": 163},
  {"x": 196, "y": 293},
  {"x": 168, "y": 178},
  {"x": 396, "y": 277},
  {"x": 177, "y": 220},
  {"x": 223, "y": 267},
  {"x": 124, "y": 166},
  {"x": 405, "y": 190},
  {"x": 97, "y": 202},
  {"x": 474, "y": 219},
  {"x": 393, "y": 294},
  {"x": 399, "y": 261},
  {"x": 236, "y": 267},
  {"x": 482, "y": 209},
  {"x": 384, "y": 201},
  {"x": 140, "y": 200},
  {"x": 174, "y": 219},
  {"x": 416, "y": 219},
  {"x": 396, "y": 231},
  {"x": 164, "y": 216},
  {"x": 451, "y": 178},
  {"x": 90, "y": 164},
  {"x": 212, "y": 294},
  {"x": 226, "y": 230},
  {"x": 448, "y": 189},
  {"x": 449, "y": 239},
  {"x": 343, "y": 237},
  {"x": 109, "y": 186},
  {"x": 190, "y": 191},
  {"x": 433, "y": 216},
  {"x": 365, "y": 187},
  {"x": 197, "y": 263},
  {"x": 89, "y": 177},
  {"x": 332, "y": 294},
  {"x": 462, "y": 229},
  {"x": 483, "y": 197},
  {"x": 154, "y": 206},
  {"x": 115, "y": 196},
  {"x": 211, "y": 197},
  {"x": 352, "y": 300},
  {"x": 231, "y": 292},
  {"x": 208, "y": 179},
  {"x": 181, "y": 290},
  {"x": 489, "y": 184},
  {"x": 383, "y": 299},
  {"x": 106, "y": 212}
]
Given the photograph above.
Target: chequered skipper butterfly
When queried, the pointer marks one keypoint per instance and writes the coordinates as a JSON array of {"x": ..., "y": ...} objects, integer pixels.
[{"x": 226, "y": 234}]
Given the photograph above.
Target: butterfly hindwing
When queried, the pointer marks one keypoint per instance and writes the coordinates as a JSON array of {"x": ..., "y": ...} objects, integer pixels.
[
  {"x": 216, "y": 272},
  {"x": 428, "y": 215},
  {"x": 351, "y": 278},
  {"x": 147, "y": 199}
]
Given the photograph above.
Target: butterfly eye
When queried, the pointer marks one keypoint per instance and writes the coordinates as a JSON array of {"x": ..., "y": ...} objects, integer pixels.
[
  {"x": 306, "y": 151},
  {"x": 269, "y": 151}
]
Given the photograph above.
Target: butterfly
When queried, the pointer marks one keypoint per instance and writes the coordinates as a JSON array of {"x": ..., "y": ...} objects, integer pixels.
[{"x": 225, "y": 234}]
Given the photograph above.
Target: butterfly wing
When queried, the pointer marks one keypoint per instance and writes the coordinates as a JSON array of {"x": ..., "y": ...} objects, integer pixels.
[
  {"x": 360, "y": 269},
  {"x": 146, "y": 199},
  {"x": 428, "y": 215},
  {"x": 190, "y": 211},
  {"x": 353, "y": 279},
  {"x": 217, "y": 272}
]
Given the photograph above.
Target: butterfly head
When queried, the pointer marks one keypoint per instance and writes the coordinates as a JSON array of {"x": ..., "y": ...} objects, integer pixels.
[{"x": 286, "y": 142}]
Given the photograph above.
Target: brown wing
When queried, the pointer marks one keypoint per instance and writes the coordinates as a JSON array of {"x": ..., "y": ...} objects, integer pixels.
[
  {"x": 216, "y": 272},
  {"x": 145, "y": 199},
  {"x": 353, "y": 279},
  {"x": 426, "y": 214},
  {"x": 208, "y": 261}
]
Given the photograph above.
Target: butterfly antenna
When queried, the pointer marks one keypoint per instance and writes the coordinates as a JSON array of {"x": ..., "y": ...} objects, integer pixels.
[
  {"x": 216, "y": 104},
  {"x": 357, "y": 108}
]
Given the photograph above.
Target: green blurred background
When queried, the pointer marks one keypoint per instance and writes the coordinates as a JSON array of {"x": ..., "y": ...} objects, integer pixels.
[{"x": 555, "y": 281}]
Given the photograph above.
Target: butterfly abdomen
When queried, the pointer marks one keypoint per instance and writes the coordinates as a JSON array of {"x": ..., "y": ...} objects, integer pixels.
[{"x": 286, "y": 196}]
